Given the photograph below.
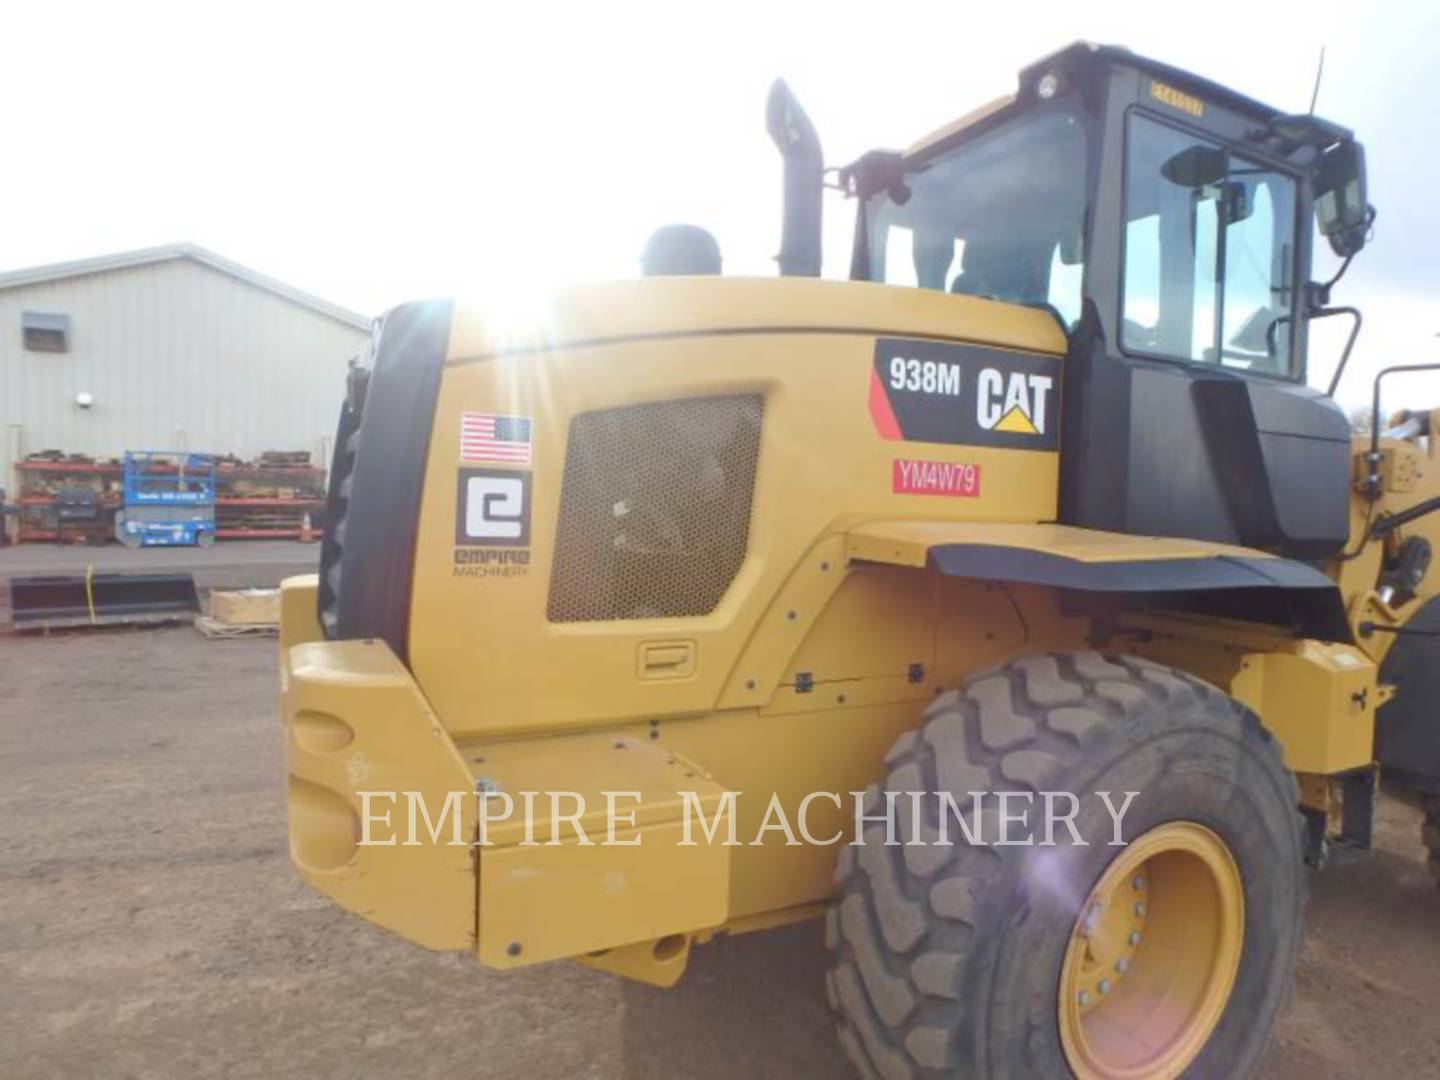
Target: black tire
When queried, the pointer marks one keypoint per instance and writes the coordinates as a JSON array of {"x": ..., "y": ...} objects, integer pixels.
[
  {"x": 1430, "y": 834},
  {"x": 946, "y": 959}
]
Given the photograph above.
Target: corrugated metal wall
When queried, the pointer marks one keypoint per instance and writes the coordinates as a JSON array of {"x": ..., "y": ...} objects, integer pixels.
[{"x": 178, "y": 356}]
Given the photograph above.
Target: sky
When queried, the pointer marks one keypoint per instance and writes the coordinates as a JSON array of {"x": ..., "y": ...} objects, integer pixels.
[{"x": 375, "y": 153}]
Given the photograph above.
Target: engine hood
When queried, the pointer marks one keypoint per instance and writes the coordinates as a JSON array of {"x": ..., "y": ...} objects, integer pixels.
[{"x": 688, "y": 306}]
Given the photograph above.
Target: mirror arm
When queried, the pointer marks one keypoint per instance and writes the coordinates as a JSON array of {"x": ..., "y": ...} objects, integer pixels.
[{"x": 1323, "y": 291}]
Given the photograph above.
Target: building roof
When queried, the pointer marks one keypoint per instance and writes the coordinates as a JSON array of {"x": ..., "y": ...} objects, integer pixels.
[{"x": 101, "y": 264}]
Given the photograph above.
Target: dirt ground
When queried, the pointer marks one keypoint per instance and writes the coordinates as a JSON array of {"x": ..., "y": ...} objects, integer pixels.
[{"x": 150, "y": 925}]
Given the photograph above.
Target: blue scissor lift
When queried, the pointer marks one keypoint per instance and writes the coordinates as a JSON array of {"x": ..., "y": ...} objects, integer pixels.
[{"x": 169, "y": 499}]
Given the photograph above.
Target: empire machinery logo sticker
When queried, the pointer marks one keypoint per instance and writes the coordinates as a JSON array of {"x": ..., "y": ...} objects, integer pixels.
[
  {"x": 961, "y": 395},
  {"x": 492, "y": 523},
  {"x": 492, "y": 509}
]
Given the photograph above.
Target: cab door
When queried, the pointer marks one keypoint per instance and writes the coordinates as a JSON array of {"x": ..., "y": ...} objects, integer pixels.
[{"x": 1189, "y": 413}]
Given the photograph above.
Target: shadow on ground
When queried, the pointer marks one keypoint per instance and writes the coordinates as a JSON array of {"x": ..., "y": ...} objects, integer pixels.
[{"x": 747, "y": 1006}]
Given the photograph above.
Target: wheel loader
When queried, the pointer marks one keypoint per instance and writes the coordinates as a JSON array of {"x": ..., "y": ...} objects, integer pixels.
[{"x": 1015, "y": 607}]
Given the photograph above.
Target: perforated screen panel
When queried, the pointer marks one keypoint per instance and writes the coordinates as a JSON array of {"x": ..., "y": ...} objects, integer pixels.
[{"x": 655, "y": 508}]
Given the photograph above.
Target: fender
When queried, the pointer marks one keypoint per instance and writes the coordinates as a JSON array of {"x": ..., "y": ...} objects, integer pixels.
[{"x": 1195, "y": 575}]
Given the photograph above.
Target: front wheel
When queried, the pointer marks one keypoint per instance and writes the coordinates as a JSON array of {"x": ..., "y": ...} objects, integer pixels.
[{"x": 1169, "y": 952}]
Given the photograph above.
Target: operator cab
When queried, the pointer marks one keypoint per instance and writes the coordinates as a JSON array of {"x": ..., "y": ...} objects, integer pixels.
[{"x": 1163, "y": 221}]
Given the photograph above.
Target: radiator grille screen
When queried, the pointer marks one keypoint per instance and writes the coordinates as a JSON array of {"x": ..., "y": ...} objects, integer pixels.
[{"x": 655, "y": 508}]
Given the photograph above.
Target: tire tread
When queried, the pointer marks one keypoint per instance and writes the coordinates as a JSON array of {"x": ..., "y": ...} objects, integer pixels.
[{"x": 906, "y": 928}]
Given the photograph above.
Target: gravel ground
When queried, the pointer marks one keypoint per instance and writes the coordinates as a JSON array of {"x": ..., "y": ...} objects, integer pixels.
[{"x": 150, "y": 925}]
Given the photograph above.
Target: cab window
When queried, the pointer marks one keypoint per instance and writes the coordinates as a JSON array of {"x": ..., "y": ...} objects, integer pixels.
[
  {"x": 1000, "y": 216},
  {"x": 1209, "y": 252}
]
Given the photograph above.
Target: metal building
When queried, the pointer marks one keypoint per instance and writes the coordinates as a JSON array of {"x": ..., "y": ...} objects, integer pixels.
[{"x": 169, "y": 348}]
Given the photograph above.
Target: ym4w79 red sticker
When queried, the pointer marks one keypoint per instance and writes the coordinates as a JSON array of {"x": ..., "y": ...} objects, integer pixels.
[{"x": 912, "y": 477}]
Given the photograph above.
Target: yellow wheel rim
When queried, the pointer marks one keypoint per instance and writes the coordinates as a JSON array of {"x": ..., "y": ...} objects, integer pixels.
[{"x": 1152, "y": 956}]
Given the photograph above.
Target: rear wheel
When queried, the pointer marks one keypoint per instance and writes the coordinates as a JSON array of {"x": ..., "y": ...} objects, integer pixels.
[{"x": 1171, "y": 952}]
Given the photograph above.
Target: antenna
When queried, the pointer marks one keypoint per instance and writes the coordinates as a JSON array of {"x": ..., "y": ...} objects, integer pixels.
[{"x": 1319, "y": 71}]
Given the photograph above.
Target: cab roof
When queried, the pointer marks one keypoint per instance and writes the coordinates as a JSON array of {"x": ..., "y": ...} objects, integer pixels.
[{"x": 1083, "y": 59}]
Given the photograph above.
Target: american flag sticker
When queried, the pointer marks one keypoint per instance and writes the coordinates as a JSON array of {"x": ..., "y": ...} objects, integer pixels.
[{"x": 501, "y": 439}]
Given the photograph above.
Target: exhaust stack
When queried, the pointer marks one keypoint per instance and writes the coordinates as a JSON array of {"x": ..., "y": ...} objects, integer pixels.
[{"x": 794, "y": 136}]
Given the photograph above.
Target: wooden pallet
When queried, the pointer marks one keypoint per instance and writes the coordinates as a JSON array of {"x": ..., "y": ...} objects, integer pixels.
[{"x": 217, "y": 630}]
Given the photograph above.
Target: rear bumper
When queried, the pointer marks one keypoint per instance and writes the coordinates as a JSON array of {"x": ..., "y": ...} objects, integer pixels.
[
  {"x": 384, "y": 819},
  {"x": 355, "y": 722}
]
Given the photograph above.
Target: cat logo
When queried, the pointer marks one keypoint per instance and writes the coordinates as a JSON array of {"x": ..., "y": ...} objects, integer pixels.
[
  {"x": 964, "y": 395},
  {"x": 1011, "y": 401}
]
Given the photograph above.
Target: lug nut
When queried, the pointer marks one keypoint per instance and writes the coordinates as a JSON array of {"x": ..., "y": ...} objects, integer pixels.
[
  {"x": 1104, "y": 986},
  {"x": 1121, "y": 965},
  {"x": 1139, "y": 908},
  {"x": 1134, "y": 937},
  {"x": 1138, "y": 883},
  {"x": 1084, "y": 998}
]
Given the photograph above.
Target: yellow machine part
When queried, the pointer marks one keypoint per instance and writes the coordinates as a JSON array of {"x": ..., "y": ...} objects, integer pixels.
[
  {"x": 615, "y": 864},
  {"x": 356, "y": 722},
  {"x": 1165, "y": 923},
  {"x": 638, "y": 907},
  {"x": 822, "y": 470},
  {"x": 1318, "y": 699},
  {"x": 1408, "y": 476},
  {"x": 828, "y": 644}
]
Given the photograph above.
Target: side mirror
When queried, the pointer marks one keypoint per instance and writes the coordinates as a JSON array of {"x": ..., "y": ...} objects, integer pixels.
[
  {"x": 1197, "y": 166},
  {"x": 1236, "y": 202},
  {"x": 876, "y": 171},
  {"x": 1342, "y": 210},
  {"x": 794, "y": 136}
]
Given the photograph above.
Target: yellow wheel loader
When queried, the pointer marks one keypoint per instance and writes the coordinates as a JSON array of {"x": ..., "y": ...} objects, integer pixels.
[{"x": 1015, "y": 606}]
